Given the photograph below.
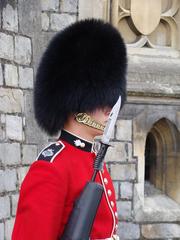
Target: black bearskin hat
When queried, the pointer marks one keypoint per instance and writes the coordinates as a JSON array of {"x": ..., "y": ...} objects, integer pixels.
[{"x": 82, "y": 69}]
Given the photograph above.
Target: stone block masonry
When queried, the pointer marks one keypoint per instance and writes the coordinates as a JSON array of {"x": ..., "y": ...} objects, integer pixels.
[
  {"x": 6, "y": 46},
  {"x": 14, "y": 128},
  {"x": 60, "y": 21},
  {"x": 8, "y": 228},
  {"x": 161, "y": 231},
  {"x": 10, "y": 75},
  {"x": 26, "y": 77},
  {"x": 11, "y": 100},
  {"x": 2, "y": 231},
  {"x": 128, "y": 230},
  {"x": 23, "y": 52},
  {"x": 10, "y": 18},
  {"x": 16, "y": 76},
  {"x": 8, "y": 180},
  {"x": 1, "y": 75},
  {"x": 5, "y": 207},
  {"x": 56, "y": 15},
  {"x": 50, "y": 5},
  {"x": 70, "y": 6}
]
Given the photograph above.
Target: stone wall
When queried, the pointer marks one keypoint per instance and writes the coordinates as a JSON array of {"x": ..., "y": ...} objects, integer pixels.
[
  {"x": 25, "y": 29},
  {"x": 141, "y": 216},
  {"x": 16, "y": 81}
]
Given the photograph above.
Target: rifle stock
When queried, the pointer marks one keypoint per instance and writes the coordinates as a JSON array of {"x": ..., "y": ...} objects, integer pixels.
[{"x": 82, "y": 217}]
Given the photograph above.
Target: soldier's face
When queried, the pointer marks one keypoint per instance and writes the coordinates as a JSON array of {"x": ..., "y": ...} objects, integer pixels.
[{"x": 100, "y": 116}]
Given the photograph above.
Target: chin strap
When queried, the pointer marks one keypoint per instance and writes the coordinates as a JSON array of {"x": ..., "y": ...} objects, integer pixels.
[{"x": 87, "y": 120}]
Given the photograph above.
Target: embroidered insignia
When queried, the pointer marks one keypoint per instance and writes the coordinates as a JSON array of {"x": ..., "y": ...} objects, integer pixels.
[
  {"x": 48, "y": 153},
  {"x": 78, "y": 143},
  {"x": 51, "y": 151}
]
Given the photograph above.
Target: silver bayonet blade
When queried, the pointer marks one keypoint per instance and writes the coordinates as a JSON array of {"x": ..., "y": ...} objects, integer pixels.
[{"x": 111, "y": 122}]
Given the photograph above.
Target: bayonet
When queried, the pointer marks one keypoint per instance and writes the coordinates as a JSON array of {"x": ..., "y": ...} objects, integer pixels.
[
  {"x": 111, "y": 122},
  {"x": 98, "y": 163}
]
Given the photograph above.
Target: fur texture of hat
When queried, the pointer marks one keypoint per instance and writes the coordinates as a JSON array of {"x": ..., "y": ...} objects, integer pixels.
[{"x": 82, "y": 69}]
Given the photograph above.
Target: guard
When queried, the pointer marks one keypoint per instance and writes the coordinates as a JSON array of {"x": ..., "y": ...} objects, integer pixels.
[{"x": 80, "y": 77}]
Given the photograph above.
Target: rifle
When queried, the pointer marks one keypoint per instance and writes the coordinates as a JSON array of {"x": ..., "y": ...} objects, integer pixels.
[{"x": 85, "y": 208}]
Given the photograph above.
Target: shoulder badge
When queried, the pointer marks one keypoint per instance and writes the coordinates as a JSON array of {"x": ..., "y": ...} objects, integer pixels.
[{"x": 51, "y": 151}]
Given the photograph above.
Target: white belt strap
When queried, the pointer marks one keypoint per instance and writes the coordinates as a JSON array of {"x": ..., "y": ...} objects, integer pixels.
[{"x": 114, "y": 237}]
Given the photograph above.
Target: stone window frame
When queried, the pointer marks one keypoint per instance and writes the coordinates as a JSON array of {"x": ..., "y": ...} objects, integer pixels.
[
  {"x": 142, "y": 62},
  {"x": 135, "y": 48},
  {"x": 105, "y": 10},
  {"x": 142, "y": 212}
]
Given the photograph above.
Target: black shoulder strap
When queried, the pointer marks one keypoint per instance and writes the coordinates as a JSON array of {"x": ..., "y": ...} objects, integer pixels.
[{"x": 51, "y": 151}]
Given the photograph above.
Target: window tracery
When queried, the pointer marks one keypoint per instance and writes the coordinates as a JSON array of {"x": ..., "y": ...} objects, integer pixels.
[{"x": 145, "y": 23}]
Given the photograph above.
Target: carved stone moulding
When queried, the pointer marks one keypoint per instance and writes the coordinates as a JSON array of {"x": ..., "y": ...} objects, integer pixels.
[{"x": 145, "y": 23}]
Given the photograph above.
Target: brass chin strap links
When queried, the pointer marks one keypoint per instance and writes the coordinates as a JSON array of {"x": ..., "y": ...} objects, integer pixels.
[{"x": 87, "y": 120}]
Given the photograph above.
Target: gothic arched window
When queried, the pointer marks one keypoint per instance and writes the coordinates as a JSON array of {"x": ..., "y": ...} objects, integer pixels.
[{"x": 162, "y": 160}]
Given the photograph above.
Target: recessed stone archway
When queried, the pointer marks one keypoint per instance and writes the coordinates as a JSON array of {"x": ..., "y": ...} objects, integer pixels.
[
  {"x": 158, "y": 206},
  {"x": 162, "y": 158}
]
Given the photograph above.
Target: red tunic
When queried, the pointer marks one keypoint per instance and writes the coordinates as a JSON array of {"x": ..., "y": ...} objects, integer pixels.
[{"x": 51, "y": 186}]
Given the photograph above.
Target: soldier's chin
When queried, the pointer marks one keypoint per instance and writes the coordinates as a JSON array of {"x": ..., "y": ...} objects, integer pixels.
[
  {"x": 100, "y": 132},
  {"x": 104, "y": 123}
]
